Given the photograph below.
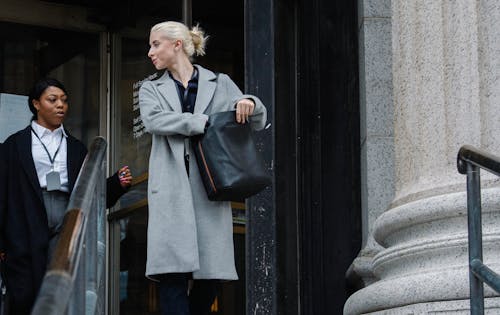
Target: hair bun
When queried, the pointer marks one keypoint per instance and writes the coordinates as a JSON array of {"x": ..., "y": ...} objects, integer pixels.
[
  {"x": 199, "y": 40},
  {"x": 193, "y": 41}
]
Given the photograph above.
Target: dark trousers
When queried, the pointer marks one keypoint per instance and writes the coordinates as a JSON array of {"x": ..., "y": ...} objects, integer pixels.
[
  {"x": 174, "y": 298},
  {"x": 55, "y": 204}
]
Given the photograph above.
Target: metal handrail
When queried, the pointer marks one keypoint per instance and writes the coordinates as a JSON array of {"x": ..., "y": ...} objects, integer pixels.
[
  {"x": 76, "y": 271},
  {"x": 469, "y": 154},
  {"x": 469, "y": 161}
]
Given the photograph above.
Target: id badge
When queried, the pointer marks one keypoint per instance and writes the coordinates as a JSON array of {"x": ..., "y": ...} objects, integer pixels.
[{"x": 53, "y": 181}]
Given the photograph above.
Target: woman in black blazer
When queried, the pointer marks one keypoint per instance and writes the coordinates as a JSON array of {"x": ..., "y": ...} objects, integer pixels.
[{"x": 38, "y": 169}]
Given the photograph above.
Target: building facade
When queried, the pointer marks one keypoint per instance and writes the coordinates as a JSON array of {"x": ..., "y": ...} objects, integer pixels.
[
  {"x": 98, "y": 49},
  {"x": 430, "y": 84},
  {"x": 368, "y": 101},
  {"x": 299, "y": 57}
]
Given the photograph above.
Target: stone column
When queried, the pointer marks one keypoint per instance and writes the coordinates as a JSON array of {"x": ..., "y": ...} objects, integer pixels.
[
  {"x": 377, "y": 130},
  {"x": 446, "y": 80}
]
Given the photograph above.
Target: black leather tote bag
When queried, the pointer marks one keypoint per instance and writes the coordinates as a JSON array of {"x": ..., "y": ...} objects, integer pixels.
[{"x": 230, "y": 166}]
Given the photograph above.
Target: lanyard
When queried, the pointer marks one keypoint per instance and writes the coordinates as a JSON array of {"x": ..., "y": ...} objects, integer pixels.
[{"x": 52, "y": 159}]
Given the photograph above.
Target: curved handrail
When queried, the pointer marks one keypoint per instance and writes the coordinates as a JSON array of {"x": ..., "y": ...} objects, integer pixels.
[
  {"x": 469, "y": 162},
  {"x": 478, "y": 157},
  {"x": 59, "y": 280}
]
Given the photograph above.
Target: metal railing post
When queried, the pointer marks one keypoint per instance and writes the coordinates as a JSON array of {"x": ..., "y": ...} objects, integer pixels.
[
  {"x": 91, "y": 261},
  {"x": 101, "y": 243},
  {"x": 77, "y": 301},
  {"x": 475, "y": 237}
]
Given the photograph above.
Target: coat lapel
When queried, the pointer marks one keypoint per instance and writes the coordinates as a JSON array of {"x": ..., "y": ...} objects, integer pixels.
[
  {"x": 206, "y": 88},
  {"x": 26, "y": 157},
  {"x": 72, "y": 161},
  {"x": 168, "y": 90}
]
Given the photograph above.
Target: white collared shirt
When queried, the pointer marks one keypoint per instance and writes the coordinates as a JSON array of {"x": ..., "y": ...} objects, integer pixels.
[{"x": 51, "y": 139}]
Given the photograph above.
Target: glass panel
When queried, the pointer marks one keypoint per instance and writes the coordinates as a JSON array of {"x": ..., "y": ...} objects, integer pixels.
[
  {"x": 134, "y": 144},
  {"x": 138, "y": 295},
  {"x": 28, "y": 53}
]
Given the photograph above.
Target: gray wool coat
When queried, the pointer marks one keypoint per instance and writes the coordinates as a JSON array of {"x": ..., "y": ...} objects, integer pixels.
[{"x": 186, "y": 231}]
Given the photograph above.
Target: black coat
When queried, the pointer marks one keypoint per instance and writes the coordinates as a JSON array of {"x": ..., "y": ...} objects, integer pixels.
[{"x": 24, "y": 235}]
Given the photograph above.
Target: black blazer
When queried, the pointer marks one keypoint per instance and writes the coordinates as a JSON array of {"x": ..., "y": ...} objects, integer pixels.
[{"x": 24, "y": 235}]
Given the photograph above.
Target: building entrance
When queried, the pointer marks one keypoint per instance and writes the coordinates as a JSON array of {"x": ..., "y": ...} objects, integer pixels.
[
  {"x": 99, "y": 52},
  {"x": 28, "y": 53},
  {"x": 131, "y": 292}
]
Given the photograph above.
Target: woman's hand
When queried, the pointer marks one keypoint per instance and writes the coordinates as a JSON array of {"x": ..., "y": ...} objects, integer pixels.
[
  {"x": 125, "y": 177},
  {"x": 244, "y": 108}
]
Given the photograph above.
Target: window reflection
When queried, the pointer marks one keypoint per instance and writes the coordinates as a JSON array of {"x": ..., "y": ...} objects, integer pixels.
[
  {"x": 28, "y": 53},
  {"x": 138, "y": 295},
  {"x": 134, "y": 145}
]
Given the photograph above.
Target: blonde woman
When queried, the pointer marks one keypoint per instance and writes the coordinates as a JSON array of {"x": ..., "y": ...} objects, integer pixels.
[{"x": 189, "y": 237}]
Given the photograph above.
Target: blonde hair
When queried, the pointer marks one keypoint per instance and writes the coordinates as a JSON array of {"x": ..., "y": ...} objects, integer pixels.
[{"x": 193, "y": 41}]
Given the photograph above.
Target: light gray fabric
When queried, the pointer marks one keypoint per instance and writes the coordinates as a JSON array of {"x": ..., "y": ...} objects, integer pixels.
[
  {"x": 55, "y": 203},
  {"x": 186, "y": 231}
]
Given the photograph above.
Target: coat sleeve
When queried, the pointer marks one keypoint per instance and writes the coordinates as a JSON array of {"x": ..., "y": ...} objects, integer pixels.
[
  {"x": 259, "y": 117},
  {"x": 160, "y": 121},
  {"x": 113, "y": 190}
]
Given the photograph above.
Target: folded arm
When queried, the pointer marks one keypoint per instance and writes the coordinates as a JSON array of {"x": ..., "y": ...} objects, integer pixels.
[{"x": 161, "y": 121}]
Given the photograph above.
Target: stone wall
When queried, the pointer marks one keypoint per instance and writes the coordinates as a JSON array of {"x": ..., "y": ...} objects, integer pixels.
[{"x": 446, "y": 93}]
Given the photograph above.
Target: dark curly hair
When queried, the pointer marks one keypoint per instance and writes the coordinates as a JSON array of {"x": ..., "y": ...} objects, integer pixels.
[{"x": 37, "y": 90}]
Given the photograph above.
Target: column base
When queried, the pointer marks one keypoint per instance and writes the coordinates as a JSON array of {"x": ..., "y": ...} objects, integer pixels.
[
  {"x": 491, "y": 307},
  {"x": 424, "y": 267}
]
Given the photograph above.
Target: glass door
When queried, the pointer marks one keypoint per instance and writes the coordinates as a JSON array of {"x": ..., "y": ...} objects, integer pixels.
[
  {"x": 132, "y": 292},
  {"x": 28, "y": 53}
]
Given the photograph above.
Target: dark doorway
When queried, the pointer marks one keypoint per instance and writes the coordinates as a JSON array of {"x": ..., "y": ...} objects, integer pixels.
[
  {"x": 316, "y": 152},
  {"x": 328, "y": 158}
]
